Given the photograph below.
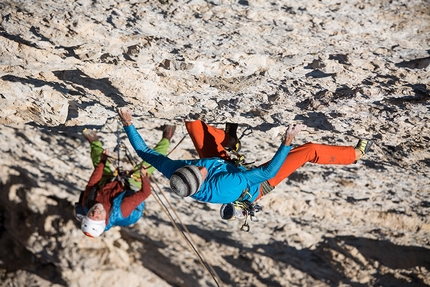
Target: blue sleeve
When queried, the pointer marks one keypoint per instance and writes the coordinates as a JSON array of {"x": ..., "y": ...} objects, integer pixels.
[
  {"x": 268, "y": 171},
  {"x": 161, "y": 162}
]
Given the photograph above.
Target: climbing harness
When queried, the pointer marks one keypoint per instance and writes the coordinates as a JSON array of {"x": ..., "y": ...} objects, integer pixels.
[
  {"x": 250, "y": 209},
  {"x": 247, "y": 208},
  {"x": 241, "y": 210}
]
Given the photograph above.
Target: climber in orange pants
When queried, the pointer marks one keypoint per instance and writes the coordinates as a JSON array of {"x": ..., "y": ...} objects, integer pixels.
[{"x": 210, "y": 142}]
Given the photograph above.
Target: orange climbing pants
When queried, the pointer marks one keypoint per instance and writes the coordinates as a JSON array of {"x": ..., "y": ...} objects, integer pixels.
[{"x": 210, "y": 141}]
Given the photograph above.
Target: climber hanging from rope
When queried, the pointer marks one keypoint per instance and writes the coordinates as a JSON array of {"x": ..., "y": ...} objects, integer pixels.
[
  {"x": 115, "y": 198},
  {"x": 215, "y": 178}
]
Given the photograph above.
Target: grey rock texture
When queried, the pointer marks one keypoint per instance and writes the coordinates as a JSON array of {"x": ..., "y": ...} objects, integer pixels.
[{"x": 348, "y": 69}]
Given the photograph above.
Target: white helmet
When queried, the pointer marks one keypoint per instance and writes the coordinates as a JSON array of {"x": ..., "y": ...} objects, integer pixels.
[{"x": 93, "y": 228}]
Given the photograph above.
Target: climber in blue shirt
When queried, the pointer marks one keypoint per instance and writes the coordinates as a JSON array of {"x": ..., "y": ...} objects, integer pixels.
[{"x": 215, "y": 178}]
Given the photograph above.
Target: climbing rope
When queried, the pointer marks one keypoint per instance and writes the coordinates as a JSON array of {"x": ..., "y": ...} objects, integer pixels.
[
  {"x": 121, "y": 144},
  {"x": 186, "y": 235},
  {"x": 248, "y": 207},
  {"x": 118, "y": 143}
]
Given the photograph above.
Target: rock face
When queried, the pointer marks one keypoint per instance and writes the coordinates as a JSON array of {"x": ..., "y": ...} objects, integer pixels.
[{"x": 347, "y": 69}]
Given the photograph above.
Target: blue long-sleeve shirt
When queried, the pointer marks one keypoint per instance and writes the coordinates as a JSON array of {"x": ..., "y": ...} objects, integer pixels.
[{"x": 224, "y": 182}]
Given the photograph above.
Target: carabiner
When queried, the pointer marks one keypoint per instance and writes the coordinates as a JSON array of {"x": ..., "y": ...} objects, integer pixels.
[{"x": 245, "y": 227}]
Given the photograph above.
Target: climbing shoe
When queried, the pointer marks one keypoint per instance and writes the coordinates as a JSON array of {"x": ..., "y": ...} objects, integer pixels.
[
  {"x": 90, "y": 135},
  {"x": 364, "y": 145},
  {"x": 231, "y": 130},
  {"x": 168, "y": 132}
]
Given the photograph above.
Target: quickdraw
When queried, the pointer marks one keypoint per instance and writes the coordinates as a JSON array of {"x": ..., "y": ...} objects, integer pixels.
[{"x": 249, "y": 210}]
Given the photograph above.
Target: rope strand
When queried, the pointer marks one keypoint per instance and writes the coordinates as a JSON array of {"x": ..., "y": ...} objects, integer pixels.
[{"x": 186, "y": 235}]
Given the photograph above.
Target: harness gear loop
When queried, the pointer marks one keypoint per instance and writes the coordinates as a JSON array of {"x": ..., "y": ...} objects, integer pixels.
[{"x": 249, "y": 209}]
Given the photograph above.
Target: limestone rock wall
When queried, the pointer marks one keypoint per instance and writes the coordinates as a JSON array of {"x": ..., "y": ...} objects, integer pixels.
[{"x": 347, "y": 69}]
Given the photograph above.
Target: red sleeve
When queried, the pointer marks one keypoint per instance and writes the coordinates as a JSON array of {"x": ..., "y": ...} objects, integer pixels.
[
  {"x": 94, "y": 179},
  {"x": 129, "y": 203}
]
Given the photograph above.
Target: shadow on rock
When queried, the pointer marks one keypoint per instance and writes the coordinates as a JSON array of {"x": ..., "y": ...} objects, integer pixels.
[
  {"x": 322, "y": 263},
  {"x": 157, "y": 261},
  {"x": 81, "y": 80},
  {"x": 420, "y": 63},
  {"x": 383, "y": 253},
  {"x": 32, "y": 248}
]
